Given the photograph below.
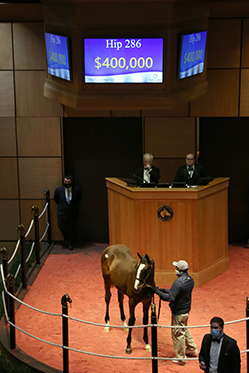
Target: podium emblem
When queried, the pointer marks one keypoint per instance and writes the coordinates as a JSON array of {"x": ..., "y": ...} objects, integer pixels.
[{"x": 165, "y": 213}]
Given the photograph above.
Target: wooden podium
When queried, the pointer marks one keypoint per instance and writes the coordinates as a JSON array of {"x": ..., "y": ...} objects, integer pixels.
[{"x": 170, "y": 224}]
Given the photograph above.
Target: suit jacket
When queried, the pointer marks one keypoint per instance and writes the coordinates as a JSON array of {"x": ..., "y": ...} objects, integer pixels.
[
  {"x": 154, "y": 175},
  {"x": 182, "y": 174},
  {"x": 229, "y": 359},
  {"x": 67, "y": 211}
]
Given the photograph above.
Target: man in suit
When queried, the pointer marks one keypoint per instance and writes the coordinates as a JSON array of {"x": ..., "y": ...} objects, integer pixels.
[
  {"x": 67, "y": 198},
  {"x": 219, "y": 353},
  {"x": 191, "y": 172},
  {"x": 147, "y": 173}
]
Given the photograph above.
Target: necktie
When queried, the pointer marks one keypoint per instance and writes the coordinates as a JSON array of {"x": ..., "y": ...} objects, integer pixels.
[{"x": 216, "y": 340}]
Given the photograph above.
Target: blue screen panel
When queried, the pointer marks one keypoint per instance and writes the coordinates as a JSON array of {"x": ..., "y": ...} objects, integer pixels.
[
  {"x": 123, "y": 60},
  {"x": 57, "y": 55},
  {"x": 192, "y": 54}
]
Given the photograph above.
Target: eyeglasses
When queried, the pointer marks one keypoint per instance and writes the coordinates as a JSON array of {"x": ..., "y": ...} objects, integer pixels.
[{"x": 189, "y": 159}]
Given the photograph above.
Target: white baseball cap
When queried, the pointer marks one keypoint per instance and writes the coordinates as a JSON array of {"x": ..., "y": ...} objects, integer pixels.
[{"x": 182, "y": 265}]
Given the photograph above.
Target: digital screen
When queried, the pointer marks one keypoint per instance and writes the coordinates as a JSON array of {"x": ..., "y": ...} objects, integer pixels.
[
  {"x": 57, "y": 55},
  {"x": 192, "y": 54},
  {"x": 123, "y": 60}
]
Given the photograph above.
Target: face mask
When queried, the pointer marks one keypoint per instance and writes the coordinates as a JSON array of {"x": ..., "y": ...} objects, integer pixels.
[
  {"x": 177, "y": 272},
  {"x": 215, "y": 332},
  {"x": 67, "y": 185}
]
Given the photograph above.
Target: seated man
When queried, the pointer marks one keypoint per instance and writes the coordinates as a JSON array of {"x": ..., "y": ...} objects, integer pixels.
[
  {"x": 147, "y": 173},
  {"x": 191, "y": 173}
]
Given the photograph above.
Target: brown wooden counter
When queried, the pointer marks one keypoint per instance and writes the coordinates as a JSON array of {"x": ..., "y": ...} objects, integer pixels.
[{"x": 172, "y": 224}]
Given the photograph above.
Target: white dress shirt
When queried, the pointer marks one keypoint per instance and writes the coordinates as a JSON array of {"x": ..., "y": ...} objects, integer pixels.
[
  {"x": 68, "y": 194},
  {"x": 147, "y": 175},
  {"x": 214, "y": 355}
]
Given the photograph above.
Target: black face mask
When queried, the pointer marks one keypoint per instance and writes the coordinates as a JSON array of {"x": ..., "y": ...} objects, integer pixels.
[{"x": 67, "y": 185}]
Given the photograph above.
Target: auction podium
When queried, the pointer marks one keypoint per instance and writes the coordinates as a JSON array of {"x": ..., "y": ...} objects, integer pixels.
[{"x": 170, "y": 224}]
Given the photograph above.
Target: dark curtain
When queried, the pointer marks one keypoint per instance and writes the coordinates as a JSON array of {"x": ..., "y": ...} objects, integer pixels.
[
  {"x": 96, "y": 148},
  {"x": 224, "y": 151}
]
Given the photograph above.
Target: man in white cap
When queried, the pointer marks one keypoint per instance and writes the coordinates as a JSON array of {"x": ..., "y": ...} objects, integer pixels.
[{"x": 179, "y": 298}]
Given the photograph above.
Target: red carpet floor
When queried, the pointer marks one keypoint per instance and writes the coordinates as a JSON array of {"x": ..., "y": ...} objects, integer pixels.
[{"x": 78, "y": 273}]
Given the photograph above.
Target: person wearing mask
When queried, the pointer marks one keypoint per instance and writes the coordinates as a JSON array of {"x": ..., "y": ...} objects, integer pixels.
[
  {"x": 147, "y": 173},
  {"x": 219, "y": 353},
  {"x": 179, "y": 297},
  {"x": 191, "y": 172},
  {"x": 67, "y": 198}
]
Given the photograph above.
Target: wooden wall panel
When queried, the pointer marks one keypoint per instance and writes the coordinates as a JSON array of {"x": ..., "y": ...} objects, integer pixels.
[
  {"x": 8, "y": 137},
  {"x": 6, "y": 62},
  {"x": 179, "y": 111},
  {"x": 168, "y": 168},
  {"x": 38, "y": 174},
  {"x": 9, "y": 178},
  {"x": 244, "y": 94},
  {"x": 6, "y": 94},
  {"x": 169, "y": 137},
  {"x": 27, "y": 216},
  {"x": 126, "y": 113},
  {"x": 69, "y": 112},
  {"x": 245, "y": 44},
  {"x": 223, "y": 45},
  {"x": 222, "y": 98},
  {"x": 56, "y": 233},
  {"x": 39, "y": 137},
  {"x": 9, "y": 219},
  {"x": 29, "y": 46},
  {"x": 30, "y": 100}
]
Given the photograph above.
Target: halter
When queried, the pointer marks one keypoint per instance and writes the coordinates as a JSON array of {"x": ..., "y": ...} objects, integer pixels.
[{"x": 144, "y": 280}]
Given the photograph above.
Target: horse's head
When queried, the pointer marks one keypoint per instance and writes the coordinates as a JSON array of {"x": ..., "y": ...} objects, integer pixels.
[{"x": 145, "y": 272}]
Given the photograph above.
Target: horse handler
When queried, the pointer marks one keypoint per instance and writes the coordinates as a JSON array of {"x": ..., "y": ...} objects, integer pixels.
[{"x": 179, "y": 296}]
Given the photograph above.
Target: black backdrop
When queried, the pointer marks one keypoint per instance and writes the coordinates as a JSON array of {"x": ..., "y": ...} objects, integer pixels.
[
  {"x": 95, "y": 148},
  {"x": 224, "y": 151}
]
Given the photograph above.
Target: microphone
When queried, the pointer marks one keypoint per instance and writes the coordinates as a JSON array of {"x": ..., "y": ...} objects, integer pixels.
[{"x": 138, "y": 177}]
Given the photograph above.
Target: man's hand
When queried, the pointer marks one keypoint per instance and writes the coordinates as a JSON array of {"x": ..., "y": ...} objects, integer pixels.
[
  {"x": 153, "y": 288},
  {"x": 202, "y": 365},
  {"x": 163, "y": 290}
]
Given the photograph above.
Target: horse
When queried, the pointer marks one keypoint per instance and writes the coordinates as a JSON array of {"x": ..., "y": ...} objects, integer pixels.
[{"x": 130, "y": 276}]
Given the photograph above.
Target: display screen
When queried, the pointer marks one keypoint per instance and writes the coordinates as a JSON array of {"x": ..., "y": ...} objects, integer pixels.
[
  {"x": 57, "y": 55},
  {"x": 123, "y": 60},
  {"x": 192, "y": 54}
]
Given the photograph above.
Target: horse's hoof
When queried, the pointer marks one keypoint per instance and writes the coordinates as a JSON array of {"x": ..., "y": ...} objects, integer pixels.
[
  {"x": 107, "y": 329},
  {"x": 147, "y": 348},
  {"x": 128, "y": 350}
]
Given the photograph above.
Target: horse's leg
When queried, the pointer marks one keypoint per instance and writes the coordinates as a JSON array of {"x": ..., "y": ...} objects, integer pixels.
[
  {"x": 107, "y": 301},
  {"x": 146, "y": 306},
  {"x": 131, "y": 323},
  {"x": 121, "y": 307}
]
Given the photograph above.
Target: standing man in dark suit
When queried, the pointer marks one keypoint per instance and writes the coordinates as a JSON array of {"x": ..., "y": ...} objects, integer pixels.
[
  {"x": 67, "y": 198},
  {"x": 219, "y": 353},
  {"x": 191, "y": 172},
  {"x": 147, "y": 173}
]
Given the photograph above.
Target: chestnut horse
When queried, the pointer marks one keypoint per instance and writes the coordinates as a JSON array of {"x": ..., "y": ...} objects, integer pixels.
[{"x": 130, "y": 277}]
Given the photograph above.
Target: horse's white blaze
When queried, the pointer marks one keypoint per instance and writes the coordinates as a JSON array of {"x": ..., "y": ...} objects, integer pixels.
[
  {"x": 107, "y": 328},
  {"x": 147, "y": 347},
  {"x": 106, "y": 255},
  {"x": 138, "y": 275}
]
